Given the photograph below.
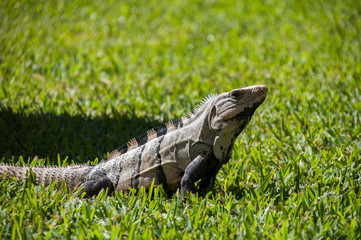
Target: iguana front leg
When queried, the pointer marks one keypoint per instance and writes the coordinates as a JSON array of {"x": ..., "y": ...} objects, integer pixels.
[
  {"x": 196, "y": 170},
  {"x": 207, "y": 183}
]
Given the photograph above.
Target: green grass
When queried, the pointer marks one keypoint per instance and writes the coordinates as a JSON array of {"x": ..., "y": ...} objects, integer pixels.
[{"x": 79, "y": 78}]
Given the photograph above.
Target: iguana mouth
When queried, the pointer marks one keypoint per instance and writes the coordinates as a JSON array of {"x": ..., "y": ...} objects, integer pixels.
[
  {"x": 233, "y": 112},
  {"x": 235, "y": 119}
]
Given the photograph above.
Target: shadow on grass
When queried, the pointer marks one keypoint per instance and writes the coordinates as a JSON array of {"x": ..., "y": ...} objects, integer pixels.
[{"x": 79, "y": 137}]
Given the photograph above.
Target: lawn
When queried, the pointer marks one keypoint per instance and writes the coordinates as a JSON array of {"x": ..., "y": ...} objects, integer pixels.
[{"x": 79, "y": 78}]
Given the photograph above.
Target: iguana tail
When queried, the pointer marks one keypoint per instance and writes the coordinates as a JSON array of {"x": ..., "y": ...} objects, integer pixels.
[{"x": 73, "y": 176}]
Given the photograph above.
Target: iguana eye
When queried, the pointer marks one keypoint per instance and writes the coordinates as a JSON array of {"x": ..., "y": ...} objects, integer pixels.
[{"x": 237, "y": 94}]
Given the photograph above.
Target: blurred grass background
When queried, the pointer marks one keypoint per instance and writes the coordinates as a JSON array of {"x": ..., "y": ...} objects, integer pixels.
[{"x": 79, "y": 78}]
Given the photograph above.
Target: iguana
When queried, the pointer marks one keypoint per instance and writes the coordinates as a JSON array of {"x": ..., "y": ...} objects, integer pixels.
[{"x": 176, "y": 155}]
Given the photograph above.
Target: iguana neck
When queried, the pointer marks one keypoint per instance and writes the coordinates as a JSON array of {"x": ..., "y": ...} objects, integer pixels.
[{"x": 201, "y": 125}]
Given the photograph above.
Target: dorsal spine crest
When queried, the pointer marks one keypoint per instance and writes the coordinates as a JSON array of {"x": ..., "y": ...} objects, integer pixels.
[{"x": 158, "y": 131}]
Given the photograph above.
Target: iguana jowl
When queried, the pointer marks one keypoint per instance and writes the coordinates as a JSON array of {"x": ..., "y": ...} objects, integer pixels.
[{"x": 176, "y": 155}]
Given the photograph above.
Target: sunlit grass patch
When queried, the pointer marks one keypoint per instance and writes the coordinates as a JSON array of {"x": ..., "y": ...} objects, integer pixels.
[{"x": 80, "y": 78}]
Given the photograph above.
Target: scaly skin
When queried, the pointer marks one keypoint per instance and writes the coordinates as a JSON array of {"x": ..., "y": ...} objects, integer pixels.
[{"x": 176, "y": 155}]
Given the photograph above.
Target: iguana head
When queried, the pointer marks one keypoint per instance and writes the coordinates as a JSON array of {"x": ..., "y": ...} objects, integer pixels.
[
  {"x": 230, "y": 114},
  {"x": 232, "y": 110}
]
